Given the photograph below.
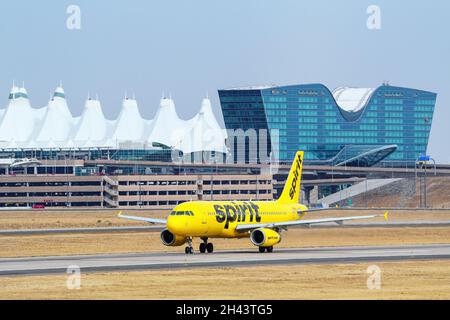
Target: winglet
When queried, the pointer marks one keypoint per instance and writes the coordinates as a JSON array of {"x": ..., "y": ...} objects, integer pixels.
[
  {"x": 119, "y": 214},
  {"x": 386, "y": 215}
]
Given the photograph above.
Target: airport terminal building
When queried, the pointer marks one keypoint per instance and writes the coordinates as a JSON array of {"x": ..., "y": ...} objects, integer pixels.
[
  {"x": 48, "y": 156},
  {"x": 346, "y": 126},
  {"x": 52, "y": 132}
]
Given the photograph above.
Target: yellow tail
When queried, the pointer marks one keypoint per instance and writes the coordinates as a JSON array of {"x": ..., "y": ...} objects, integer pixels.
[{"x": 291, "y": 191}]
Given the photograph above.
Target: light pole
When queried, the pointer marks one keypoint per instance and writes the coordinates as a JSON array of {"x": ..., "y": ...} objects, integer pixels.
[
  {"x": 422, "y": 161},
  {"x": 212, "y": 190},
  {"x": 140, "y": 183},
  {"x": 67, "y": 181},
  {"x": 211, "y": 181}
]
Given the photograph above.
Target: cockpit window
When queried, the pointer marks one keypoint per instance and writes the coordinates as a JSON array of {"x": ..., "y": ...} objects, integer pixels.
[{"x": 182, "y": 213}]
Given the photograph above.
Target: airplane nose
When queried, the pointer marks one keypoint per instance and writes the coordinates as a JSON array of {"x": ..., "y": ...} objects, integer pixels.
[
  {"x": 176, "y": 224},
  {"x": 171, "y": 224}
]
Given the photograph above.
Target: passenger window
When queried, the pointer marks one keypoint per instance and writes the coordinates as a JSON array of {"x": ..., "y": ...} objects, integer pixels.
[{"x": 180, "y": 213}]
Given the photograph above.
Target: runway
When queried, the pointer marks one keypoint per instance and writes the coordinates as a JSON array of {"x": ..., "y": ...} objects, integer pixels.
[
  {"x": 349, "y": 224},
  {"x": 148, "y": 261}
]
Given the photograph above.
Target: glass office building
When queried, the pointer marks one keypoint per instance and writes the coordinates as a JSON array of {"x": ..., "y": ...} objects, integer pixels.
[{"x": 349, "y": 126}]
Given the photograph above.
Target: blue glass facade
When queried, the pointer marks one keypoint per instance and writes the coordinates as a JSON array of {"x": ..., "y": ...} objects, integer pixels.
[{"x": 394, "y": 121}]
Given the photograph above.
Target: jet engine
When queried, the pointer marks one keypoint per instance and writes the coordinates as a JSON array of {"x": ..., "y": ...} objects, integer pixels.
[
  {"x": 172, "y": 240},
  {"x": 264, "y": 237}
]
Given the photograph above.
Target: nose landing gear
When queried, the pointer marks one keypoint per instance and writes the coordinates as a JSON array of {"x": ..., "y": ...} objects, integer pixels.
[
  {"x": 189, "y": 249},
  {"x": 263, "y": 249}
]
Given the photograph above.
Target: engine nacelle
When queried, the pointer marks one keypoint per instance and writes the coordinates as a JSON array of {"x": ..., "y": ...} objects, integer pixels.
[
  {"x": 171, "y": 240},
  {"x": 264, "y": 237}
]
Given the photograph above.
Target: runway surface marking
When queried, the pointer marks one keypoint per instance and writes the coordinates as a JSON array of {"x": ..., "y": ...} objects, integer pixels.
[{"x": 142, "y": 261}]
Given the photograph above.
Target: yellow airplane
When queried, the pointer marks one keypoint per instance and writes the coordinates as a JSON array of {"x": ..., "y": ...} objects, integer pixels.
[{"x": 261, "y": 221}]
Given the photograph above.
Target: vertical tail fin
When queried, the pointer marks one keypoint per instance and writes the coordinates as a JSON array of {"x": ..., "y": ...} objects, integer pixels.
[{"x": 291, "y": 191}]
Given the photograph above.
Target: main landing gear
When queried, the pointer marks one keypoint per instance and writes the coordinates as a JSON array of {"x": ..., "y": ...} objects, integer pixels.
[
  {"x": 263, "y": 249},
  {"x": 206, "y": 246}
]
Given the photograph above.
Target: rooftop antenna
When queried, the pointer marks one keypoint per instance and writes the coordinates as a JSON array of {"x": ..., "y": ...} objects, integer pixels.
[
  {"x": 163, "y": 95},
  {"x": 14, "y": 83},
  {"x": 89, "y": 96},
  {"x": 23, "y": 84},
  {"x": 96, "y": 96},
  {"x": 134, "y": 96},
  {"x": 126, "y": 95},
  {"x": 207, "y": 95},
  {"x": 60, "y": 83}
]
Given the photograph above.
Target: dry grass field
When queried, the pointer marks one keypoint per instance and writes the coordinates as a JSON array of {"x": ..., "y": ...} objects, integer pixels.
[
  {"x": 399, "y": 280},
  {"x": 88, "y": 243},
  {"x": 108, "y": 218},
  {"x": 38, "y": 219}
]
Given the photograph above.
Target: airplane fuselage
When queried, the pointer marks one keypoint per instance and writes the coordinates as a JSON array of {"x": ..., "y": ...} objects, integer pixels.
[
  {"x": 261, "y": 221},
  {"x": 218, "y": 219}
]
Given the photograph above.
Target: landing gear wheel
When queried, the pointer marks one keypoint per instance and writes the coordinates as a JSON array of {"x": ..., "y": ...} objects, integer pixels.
[
  {"x": 261, "y": 249},
  {"x": 269, "y": 249},
  {"x": 209, "y": 247},
  {"x": 202, "y": 247},
  {"x": 189, "y": 249}
]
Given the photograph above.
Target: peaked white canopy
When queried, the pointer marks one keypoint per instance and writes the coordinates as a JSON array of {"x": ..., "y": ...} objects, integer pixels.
[
  {"x": 24, "y": 127},
  {"x": 56, "y": 124},
  {"x": 167, "y": 127},
  {"x": 19, "y": 119},
  {"x": 129, "y": 126}
]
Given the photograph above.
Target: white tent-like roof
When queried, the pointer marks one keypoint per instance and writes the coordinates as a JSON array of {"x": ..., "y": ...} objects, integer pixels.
[
  {"x": 92, "y": 129},
  {"x": 201, "y": 136},
  {"x": 129, "y": 126},
  {"x": 57, "y": 122},
  {"x": 18, "y": 121},
  {"x": 24, "y": 127},
  {"x": 2, "y": 112},
  {"x": 204, "y": 132},
  {"x": 167, "y": 127}
]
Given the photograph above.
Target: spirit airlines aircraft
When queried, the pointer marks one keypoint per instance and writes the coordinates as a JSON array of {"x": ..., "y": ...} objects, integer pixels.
[{"x": 262, "y": 221}]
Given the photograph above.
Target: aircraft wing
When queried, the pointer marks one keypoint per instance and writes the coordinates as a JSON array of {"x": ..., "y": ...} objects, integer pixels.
[
  {"x": 149, "y": 220},
  {"x": 285, "y": 224}
]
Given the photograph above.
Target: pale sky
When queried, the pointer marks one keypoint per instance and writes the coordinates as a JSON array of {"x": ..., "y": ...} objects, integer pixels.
[{"x": 188, "y": 48}]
